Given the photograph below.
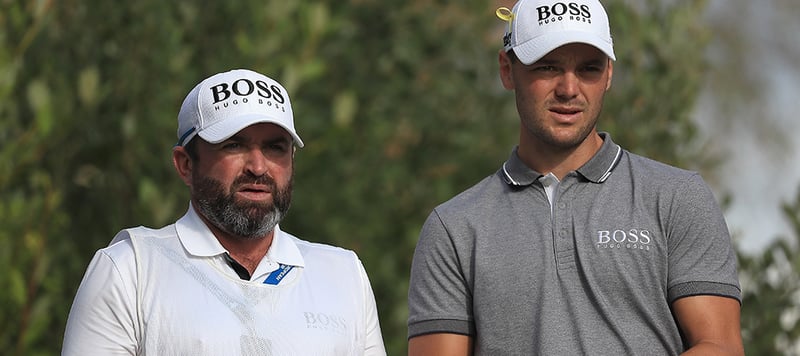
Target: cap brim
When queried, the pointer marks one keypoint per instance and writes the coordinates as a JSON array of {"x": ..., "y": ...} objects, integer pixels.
[
  {"x": 534, "y": 49},
  {"x": 224, "y": 129}
]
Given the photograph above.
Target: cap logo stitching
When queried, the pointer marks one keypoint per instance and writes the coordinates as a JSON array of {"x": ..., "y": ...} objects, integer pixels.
[
  {"x": 556, "y": 12},
  {"x": 221, "y": 92}
]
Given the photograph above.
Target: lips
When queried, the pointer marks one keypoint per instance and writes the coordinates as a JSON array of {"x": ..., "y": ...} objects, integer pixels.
[
  {"x": 255, "y": 188},
  {"x": 566, "y": 110},
  {"x": 255, "y": 191},
  {"x": 566, "y": 115}
]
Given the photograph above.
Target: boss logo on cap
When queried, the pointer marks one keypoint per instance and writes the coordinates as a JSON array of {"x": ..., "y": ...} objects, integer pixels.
[
  {"x": 557, "y": 11},
  {"x": 244, "y": 88}
]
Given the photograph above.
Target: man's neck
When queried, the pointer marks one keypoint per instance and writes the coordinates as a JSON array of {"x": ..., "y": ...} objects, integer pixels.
[
  {"x": 546, "y": 159},
  {"x": 247, "y": 251}
]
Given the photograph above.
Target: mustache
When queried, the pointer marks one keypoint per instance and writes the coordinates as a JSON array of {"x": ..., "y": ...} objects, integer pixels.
[{"x": 577, "y": 104}]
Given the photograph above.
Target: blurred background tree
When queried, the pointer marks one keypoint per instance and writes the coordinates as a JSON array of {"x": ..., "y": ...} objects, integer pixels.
[
  {"x": 399, "y": 104},
  {"x": 771, "y": 292}
]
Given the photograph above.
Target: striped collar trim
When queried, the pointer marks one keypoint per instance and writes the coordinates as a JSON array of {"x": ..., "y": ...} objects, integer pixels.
[{"x": 598, "y": 169}]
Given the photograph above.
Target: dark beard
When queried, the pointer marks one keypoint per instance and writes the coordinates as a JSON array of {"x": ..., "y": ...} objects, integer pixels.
[{"x": 246, "y": 220}]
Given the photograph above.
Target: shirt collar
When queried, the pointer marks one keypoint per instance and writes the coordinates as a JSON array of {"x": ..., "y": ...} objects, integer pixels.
[
  {"x": 515, "y": 172},
  {"x": 198, "y": 240},
  {"x": 284, "y": 250},
  {"x": 597, "y": 169}
]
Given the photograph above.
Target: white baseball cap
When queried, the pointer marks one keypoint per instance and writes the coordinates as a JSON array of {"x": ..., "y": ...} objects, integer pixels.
[
  {"x": 536, "y": 27},
  {"x": 225, "y": 103}
]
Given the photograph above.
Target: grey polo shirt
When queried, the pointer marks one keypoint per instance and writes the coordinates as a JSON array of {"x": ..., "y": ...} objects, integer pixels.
[{"x": 626, "y": 237}]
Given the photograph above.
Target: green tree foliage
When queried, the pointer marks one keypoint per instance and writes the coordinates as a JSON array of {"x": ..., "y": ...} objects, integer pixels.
[
  {"x": 771, "y": 293},
  {"x": 31, "y": 207},
  {"x": 658, "y": 76},
  {"x": 399, "y": 104}
]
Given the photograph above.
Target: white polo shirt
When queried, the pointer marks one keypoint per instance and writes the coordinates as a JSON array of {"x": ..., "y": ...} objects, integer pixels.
[{"x": 170, "y": 291}]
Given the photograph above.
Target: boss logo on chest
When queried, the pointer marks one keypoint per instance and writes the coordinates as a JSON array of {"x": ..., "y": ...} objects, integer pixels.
[{"x": 639, "y": 239}]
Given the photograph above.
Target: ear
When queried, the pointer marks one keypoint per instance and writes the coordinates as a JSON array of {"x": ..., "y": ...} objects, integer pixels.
[
  {"x": 183, "y": 164},
  {"x": 505, "y": 70},
  {"x": 610, "y": 73}
]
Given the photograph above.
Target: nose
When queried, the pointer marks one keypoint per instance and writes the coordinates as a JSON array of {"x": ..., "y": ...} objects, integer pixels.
[
  {"x": 256, "y": 163},
  {"x": 567, "y": 87}
]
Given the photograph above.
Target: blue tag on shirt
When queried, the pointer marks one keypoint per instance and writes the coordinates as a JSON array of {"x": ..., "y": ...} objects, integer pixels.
[{"x": 277, "y": 275}]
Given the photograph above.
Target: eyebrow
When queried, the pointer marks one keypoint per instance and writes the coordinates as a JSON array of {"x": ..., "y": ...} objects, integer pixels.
[{"x": 282, "y": 139}]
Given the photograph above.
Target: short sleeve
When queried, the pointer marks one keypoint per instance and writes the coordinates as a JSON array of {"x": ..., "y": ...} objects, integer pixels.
[
  {"x": 102, "y": 319},
  {"x": 439, "y": 296},
  {"x": 702, "y": 260},
  {"x": 374, "y": 339}
]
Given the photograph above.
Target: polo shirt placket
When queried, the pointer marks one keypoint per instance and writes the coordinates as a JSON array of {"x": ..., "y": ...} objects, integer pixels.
[{"x": 563, "y": 236}]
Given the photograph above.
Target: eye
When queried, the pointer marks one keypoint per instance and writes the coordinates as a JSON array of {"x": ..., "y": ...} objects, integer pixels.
[
  {"x": 592, "y": 72},
  {"x": 279, "y": 147},
  {"x": 545, "y": 68},
  {"x": 592, "y": 68},
  {"x": 230, "y": 145}
]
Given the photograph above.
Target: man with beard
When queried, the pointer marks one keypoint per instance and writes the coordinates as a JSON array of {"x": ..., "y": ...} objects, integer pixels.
[
  {"x": 574, "y": 246},
  {"x": 225, "y": 279}
]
